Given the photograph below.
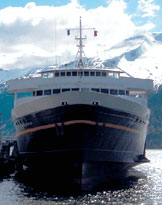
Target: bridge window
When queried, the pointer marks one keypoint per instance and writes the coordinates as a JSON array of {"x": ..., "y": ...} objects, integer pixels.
[
  {"x": 92, "y": 73},
  {"x": 74, "y": 73},
  {"x": 98, "y": 73},
  {"x": 80, "y": 73},
  {"x": 50, "y": 75},
  {"x": 56, "y": 74},
  {"x": 45, "y": 75},
  {"x": 110, "y": 74},
  {"x": 68, "y": 73},
  {"x": 86, "y": 73},
  {"x": 104, "y": 74},
  {"x": 62, "y": 74}
]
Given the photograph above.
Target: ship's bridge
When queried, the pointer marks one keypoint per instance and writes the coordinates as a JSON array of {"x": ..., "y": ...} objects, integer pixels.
[{"x": 92, "y": 79}]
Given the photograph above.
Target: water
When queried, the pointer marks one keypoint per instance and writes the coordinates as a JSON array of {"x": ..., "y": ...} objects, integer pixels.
[{"x": 143, "y": 186}]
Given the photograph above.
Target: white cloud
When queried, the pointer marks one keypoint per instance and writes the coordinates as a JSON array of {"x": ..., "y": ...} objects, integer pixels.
[
  {"x": 148, "y": 8},
  {"x": 33, "y": 35},
  {"x": 147, "y": 26}
]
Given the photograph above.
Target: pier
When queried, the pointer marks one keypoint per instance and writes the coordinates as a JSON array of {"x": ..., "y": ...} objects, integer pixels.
[{"x": 8, "y": 157}]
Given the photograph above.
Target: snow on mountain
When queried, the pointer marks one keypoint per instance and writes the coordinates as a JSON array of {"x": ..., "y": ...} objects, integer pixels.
[
  {"x": 6, "y": 75},
  {"x": 140, "y": 56}
]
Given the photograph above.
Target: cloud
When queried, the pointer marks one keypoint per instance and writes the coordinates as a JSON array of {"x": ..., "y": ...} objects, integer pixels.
[
  {"x": 36, "y": 35},
  {"x": 148, "y": 8}
]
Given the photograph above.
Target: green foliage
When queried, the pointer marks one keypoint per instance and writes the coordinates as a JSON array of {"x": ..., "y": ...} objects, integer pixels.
[
  {"x": 6, "y": 105},
  {"x": 154, "y": 137}
]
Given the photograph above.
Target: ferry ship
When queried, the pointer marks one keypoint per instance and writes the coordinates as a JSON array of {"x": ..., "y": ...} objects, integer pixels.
[{"x": 88, "y": 123}]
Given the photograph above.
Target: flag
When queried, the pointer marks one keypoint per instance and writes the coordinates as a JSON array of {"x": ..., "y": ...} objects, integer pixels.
[
  {"x": 95, "y": 33},
  {"x": 68, "y": 32}
]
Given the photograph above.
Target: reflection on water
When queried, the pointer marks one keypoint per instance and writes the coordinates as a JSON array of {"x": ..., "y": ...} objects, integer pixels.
[{"x": 143, "y": 185}]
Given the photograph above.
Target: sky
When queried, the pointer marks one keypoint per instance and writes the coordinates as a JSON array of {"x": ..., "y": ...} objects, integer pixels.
[{"x": 33, "y": 33}]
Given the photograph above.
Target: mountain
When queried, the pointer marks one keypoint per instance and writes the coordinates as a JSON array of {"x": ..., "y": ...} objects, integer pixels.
[
  {"x": 6, "y": 75},
  {"x": 140, "y": 56}
]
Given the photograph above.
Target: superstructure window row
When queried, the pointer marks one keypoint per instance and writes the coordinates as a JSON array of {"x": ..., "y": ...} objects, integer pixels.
[
  {"x": 102, "y": 90},
  {"x": 79, "y": 73}
]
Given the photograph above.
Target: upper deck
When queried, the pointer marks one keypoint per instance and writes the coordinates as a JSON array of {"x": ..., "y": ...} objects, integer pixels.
[{"x": 80, "y": 78}]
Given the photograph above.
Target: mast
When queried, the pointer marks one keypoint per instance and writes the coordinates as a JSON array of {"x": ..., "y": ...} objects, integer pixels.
[
  {"x": 79, "y": 56},
  {"x": 80, "y": 63}
]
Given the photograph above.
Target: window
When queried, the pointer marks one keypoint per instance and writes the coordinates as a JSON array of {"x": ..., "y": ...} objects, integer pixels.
[
  {"x": 92, "y": 73},
  {"x": 84, "y": 89},
  {"x": 68, "y": 73},
  {"x": 64, "y": 103},
  {"x": 62, "y": 74},
  {"x": 33, "y": 93},
  {"x": 80, "y": 73},
  {"x": 95, "y": 89},
  {"x": 86, "y": 73},
  {"x": 50, "y": 75},
  {"x": 111, "y": 74},
  {"x": 98, "y": 73},
  {"x": 45, "y": 75},
  {"x": 75, "y": 89},
  {"x": 113, "y": 91},
  {"x": 121, "y": 92},
  {"x": 55, "y": 91},
  {"x": 65, "y": 89},
  {"x": 74, "y": 73},
  {"x": 127, "y": 92},
  {"x": 56, "y": 74},
  {"x": 23, "y": 121},
  {"x": 95, "y": 102},
  {"x": 104, "y": 90},
  {"x": 47, "y": 92},
  {"x": 39, "y": 92},
  {"x": 104, "y": 74}
]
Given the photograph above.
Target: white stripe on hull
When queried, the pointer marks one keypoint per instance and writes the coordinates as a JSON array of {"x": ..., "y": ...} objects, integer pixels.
[{"x": 109, "y": 101}]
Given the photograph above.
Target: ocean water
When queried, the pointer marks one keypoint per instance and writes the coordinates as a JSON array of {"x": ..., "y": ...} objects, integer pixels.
[{"x": 143, "y": 186}]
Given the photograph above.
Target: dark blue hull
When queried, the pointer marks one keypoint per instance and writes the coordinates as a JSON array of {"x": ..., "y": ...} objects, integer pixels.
[{"x": 90, "y": 142}]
